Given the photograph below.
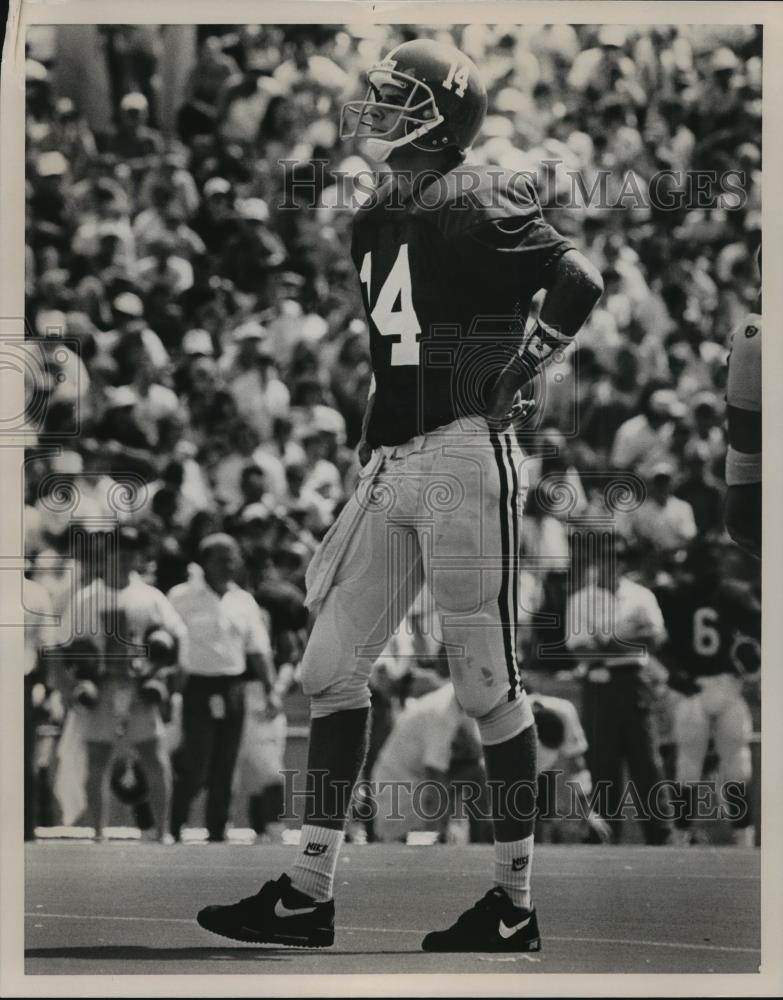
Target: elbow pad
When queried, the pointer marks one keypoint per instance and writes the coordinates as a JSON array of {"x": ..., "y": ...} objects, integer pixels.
[{"x": 541, "y": 346}]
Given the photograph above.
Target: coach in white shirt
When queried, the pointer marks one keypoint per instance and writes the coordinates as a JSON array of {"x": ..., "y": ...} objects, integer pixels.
[
  {"x": 229, "y": 644},
  {"x": 612, "y": 624},
  {"x": 663, "y": 520}
]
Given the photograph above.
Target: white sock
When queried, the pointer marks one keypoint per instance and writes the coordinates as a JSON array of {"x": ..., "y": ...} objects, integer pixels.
[
  {"x": 313, "y": 871},
  {"x": 513, "y": 861}
]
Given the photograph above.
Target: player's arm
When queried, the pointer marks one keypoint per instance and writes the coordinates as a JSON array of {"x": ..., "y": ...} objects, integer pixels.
[
  {"x": 363, "y": 450},
  {"x": 743, "y": 425},
  {"x": 743, "y": 499},
  {"x": 573, "y": 286}
]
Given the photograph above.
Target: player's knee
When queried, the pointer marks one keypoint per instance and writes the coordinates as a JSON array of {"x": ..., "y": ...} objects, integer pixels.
[
  {"x": 503, "y": 721},
  {"x": 464, "y": 592}
]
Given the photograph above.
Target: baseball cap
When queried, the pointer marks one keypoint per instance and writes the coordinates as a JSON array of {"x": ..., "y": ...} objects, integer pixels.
[
  {"x": 134, "y": 102},
  {"x": 256, "y": 512},
  {"x": 51, "y": 164},
  {"x": 307, "y": 432},
  {"x": 255, "y": 209},
  {"x": 666, "y": 403},
  {"x": 197, "y": 342},
  {"x": 128, "y": 304},
  {"x": 613, "y": 35},
  {"x": 723, "y": 59},
  {"x": 118, "y": 397},
  {"x": 329, "y": 421},
  {"x": 216, "y": 185},
  {"x": 251, "y": 330},
  {"x": 50, "y": 323},
  {"x": 35, "y": 72},
  {"x": 218, "y": 540}
]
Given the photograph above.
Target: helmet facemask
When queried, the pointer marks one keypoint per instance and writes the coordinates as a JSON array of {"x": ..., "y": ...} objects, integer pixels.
[{"x": 411, "y": 118}]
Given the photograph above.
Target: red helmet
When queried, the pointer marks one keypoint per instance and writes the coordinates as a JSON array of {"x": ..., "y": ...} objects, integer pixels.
[{"x": 438, "y": 101}]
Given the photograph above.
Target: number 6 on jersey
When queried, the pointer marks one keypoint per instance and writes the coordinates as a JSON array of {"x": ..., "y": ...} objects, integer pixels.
[{"x": 391, "y": 322}]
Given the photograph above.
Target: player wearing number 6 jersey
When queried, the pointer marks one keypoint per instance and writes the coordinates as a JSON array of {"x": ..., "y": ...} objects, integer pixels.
[
  {"x": 714, "y": 628},
  {"x": 448, "y": 256}
]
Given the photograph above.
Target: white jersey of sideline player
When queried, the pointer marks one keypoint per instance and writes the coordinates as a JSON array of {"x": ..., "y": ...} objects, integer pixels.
[
  {"x": 743, "y": 390},
  {"x": 743, "y": 426},
  {"x": 574, "y": 742},
  {"x": 423, "y": 741}
]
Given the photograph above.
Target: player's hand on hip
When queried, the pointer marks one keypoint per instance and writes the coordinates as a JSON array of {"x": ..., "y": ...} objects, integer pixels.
[{"x": 505, "y": 411}]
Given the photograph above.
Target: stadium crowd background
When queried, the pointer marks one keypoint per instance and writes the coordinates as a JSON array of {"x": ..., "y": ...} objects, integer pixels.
[{"x": 209, "y": 347}]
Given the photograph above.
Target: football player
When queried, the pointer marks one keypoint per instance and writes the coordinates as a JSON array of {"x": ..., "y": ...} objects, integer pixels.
[
  {"x": 123, "y": 649},
  {"x": 448, "y": 256},
  {"x": 714, "y": 627},
  {"x": 743, "y": 417}
]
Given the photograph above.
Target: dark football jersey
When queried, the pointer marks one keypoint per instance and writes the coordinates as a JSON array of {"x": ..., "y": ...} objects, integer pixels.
[
  {"x": 447, "y": 283},
  {"x": 704, "y": 624}
]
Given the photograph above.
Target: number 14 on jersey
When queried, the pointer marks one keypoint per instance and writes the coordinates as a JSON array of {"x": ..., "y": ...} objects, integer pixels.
[{"x": 399, "y": 322}]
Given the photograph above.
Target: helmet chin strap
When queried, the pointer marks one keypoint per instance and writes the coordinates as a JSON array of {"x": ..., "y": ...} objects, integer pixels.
[{"x": 379, "y": 149}]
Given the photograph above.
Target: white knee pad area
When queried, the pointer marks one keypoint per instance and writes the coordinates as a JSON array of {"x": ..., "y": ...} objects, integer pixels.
[{"x": 505, "y": 721}]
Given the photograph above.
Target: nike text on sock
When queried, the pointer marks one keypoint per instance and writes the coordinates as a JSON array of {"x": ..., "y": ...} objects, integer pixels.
[
  {"x": 513, "y": 861},
  {"x": 313, "y": 870}
]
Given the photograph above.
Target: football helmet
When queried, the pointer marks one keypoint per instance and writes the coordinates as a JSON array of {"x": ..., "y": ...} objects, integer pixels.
[{"x": 424, "y": 93}]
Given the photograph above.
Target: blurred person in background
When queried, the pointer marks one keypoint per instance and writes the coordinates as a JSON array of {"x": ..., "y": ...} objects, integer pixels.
[
  {"x": 416, "y": 765},
  {"x": 612, "y": 624},
  {"x": 701, "y": 489},
  {"x": 743, "y": 425},
  {"x": 133, "y": 141},
  {"x": 124, "y": 644},
  {"x": 646, "y": 437},
  {"x": 38, "y": 623},
  {"x": 229, "y": 644},
  {"x": 713, "y": 649},
  {"x": 663, "y": 519},
  {"x": 562, "y": 746}
]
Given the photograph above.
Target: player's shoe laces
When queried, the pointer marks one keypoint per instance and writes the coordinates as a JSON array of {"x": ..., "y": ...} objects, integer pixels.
[
  {"x": 277, "y": 914},
  {"x": 493, "y": 924}
]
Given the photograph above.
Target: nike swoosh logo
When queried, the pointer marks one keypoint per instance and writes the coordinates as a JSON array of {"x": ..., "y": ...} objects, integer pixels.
[
  {"x": 283, "y": 911},
  {"x": 506, "y": 932}
]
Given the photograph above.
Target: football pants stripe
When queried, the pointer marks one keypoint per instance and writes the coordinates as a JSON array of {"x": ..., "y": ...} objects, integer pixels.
[
  {"x": 514, "y": 597},
  {"x": 505, "y": 547}
]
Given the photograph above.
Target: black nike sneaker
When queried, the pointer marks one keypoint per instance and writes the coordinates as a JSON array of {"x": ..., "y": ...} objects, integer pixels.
[
  {"x": 493, "y": 924},
  {"x": 277, "y": 914}
]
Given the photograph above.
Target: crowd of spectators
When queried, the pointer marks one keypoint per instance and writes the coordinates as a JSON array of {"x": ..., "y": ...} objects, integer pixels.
[{"x": 204, "y": 357}]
